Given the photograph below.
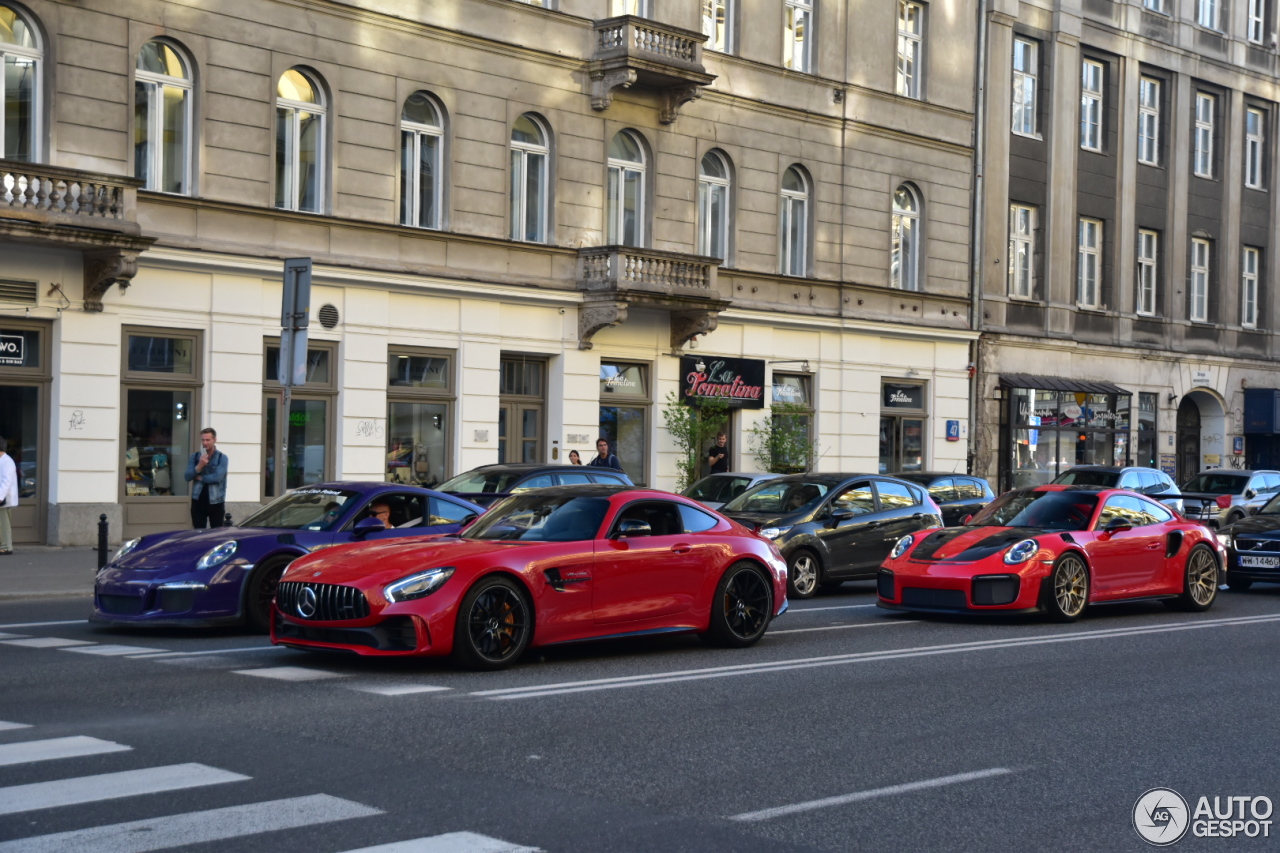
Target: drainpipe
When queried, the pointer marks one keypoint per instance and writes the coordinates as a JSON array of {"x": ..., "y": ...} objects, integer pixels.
[{"x": 976, "y": 231}]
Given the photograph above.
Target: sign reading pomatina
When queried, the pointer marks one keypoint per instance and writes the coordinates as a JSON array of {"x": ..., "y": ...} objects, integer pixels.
[{"x": 736, "y": 382}]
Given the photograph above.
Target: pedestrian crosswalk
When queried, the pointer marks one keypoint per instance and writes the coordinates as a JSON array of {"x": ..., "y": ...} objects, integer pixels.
[{"x": 225, "y": 824}]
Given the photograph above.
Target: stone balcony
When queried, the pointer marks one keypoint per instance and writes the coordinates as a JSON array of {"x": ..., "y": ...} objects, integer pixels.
[
  {"x": 612, "y": 278},
  {"x": 67, "y": 208},
  {"x": 631, "y": 50}
]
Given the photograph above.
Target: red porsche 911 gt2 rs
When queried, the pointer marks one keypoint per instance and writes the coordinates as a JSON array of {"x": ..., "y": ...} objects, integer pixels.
[
  {"x": 551, "y": 565},
  {"x": 1055, "y": 549}
]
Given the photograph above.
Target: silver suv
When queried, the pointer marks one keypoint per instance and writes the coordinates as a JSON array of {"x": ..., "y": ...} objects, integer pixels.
[
  {"x": 1145, "y": 481},
  {"x": 1218, "y": 497}
]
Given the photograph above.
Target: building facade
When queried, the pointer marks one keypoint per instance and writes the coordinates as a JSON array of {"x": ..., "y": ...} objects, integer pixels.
[
  {"x": 1127, "y": 208},
  {"x": 514, "y": 237}
]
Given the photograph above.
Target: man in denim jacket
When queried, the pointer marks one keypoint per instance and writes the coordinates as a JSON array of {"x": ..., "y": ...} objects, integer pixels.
[{"x": 207, "y": 472}]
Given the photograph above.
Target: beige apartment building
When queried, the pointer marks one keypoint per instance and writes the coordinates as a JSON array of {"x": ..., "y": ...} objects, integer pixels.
[
  {"x": 1128, "y": 208},
  {"x": 521, "y": 217}
]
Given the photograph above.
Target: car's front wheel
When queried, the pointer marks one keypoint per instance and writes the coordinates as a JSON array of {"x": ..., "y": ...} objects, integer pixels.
[
  {"x": 260, "y": 597},
  {"x": 1067, "y": 592},
  {"x": 802, "y": 574},
  {"x": 742, "y": 607},
  {"x": 495, "y": 624},
  {"x": 1199, "y": 581}
]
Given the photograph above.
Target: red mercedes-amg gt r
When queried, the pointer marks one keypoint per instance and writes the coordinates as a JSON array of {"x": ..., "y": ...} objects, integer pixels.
[
  {"x": 1055, "y": 549},
  {"x": 552, "y": 565}
]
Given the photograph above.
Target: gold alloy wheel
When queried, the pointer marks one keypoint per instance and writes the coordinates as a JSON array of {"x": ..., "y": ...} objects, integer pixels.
[
  {"x": 1202, "y": 576},
  {"x": 1071, "y": 586}
]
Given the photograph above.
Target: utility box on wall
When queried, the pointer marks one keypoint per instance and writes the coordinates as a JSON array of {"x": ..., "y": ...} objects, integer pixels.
[{"x": 1261, "y": 411}]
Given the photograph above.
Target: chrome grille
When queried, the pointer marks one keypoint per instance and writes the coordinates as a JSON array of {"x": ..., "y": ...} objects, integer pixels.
[
  {"x": 333, "y": 602},
  {"x": 1256, "y": 546}
]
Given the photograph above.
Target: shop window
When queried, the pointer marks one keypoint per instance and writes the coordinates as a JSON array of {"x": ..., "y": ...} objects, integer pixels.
[
  {"x": 624, "y": 416},
  {"x": 1050, "y": 431},
  {"x": 419, "y": 416},
  {"x": 161, "y": 384},
  {"x": 902, "y": 427},
  {"x": 792, "y": 414},
  {"x": 24, "y": 410},
  {"x": 306, "y": 434}
]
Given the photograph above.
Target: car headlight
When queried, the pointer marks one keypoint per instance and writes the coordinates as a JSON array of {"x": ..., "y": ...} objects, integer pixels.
[
  {"x": 1021, "y": 552},
  {"x": 417, "y": 585},
  {"x": 218, "y": 555},
  {"x": 1226, "y": 540},
  {"x": 125, "y": 549},
  {"x": 901, "y": 546},
  {"x": 775, "y": 532}
]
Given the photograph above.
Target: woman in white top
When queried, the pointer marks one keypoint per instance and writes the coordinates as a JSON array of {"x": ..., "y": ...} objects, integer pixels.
[{"x": 8, "y": 497}]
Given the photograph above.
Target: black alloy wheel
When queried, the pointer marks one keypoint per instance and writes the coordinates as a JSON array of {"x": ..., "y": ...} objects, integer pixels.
[
  {"x": 494, "y": 625},
  {"x": 259, "y": 600},
  {"x": 1199, "y": 581},
  {"x": 742, "y": 607}
]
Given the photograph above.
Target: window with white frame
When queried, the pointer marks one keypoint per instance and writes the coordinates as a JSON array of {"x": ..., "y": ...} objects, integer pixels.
[
  {"x": 1022, "y": 250},
  {"x": 1249, "y": 265},
  {"x": 1088, "y": 262},
  {"x": 1257, "y": 21},
  {"x": 1149, "y": 121},
  {"x": 1202, "y": 157},
  {"x": 795, "y": 222},
  {"x": 1207, "y": 14},
  {"x": 910, "y": 47},
  {"x": 1199, "y": 297},
  {"x": 639, "y": 8},
  {"x": 20, "y": 95},
  {"x": 797, "y": 40},
  {"x": 1148, "y": 267},
  {"x": 713, "y": 205},
  {"x": 1154, "y": 5},
  {"x": 1254, "y": 146},
  {"x": 162, "y": 118},
  {"x": 529, "y": 191},
  {"x": 421, "y": 150},
  {"x": 904, "y": 259},
  {"x": 1091, "y": 79},
  {"x": 1025, "y": 80},
  {"x": 626, "y": 203},
  {"x": 300, "y": 142},
  {"x": 718, "y": 23}
]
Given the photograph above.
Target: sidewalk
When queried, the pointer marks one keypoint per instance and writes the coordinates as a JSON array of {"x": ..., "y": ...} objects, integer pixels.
[{"x": 39, "y": 571}]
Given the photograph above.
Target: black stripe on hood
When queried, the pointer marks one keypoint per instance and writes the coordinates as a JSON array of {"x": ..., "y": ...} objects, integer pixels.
[{"x": 1000, "y": 539}]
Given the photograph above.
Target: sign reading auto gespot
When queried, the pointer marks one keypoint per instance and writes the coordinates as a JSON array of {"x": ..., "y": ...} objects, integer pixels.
[{"x": 736, "y": 382}]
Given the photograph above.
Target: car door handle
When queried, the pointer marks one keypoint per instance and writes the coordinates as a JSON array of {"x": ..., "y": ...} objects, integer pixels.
[
  {"x": 681, "y": 549},
  {"x": 1155, "y": 546}
]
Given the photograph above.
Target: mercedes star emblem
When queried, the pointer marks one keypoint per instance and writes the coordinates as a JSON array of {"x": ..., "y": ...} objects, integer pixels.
[{"x": 307, "y": 603}]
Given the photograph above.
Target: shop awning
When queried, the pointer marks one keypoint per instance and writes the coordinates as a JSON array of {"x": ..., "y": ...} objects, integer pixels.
[{"x": 1060, "y": 383}]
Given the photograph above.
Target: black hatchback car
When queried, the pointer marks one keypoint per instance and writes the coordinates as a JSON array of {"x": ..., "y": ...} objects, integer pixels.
[
  {"x": 958, "y": 495},
  {"x": 1253, "y": 547},
  {"x": 489, "y": 483},
  {"x": 833, "y": 527}
]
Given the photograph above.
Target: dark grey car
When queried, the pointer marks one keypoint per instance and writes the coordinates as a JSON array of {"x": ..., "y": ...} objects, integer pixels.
[
  {"x": 833, "y": 527},
  {"x": 489, "y": 483},
  {"x": 1144, "y": 481},
  {"x": 958, "y": 495}
]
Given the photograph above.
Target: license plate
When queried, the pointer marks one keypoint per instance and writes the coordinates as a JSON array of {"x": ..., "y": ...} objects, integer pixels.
[{"x": 1260, "y": 562}]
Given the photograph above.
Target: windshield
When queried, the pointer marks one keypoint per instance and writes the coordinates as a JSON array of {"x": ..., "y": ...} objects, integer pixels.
[
  {"x": 1085, "y": 477},
  {"x": 304, "y": 509},
  {"x": 1043, "y": 510},
  {"x": 781, "y": 496},
  {"x": 1271, "y": 507},
  {"x": 718, "y": 488},
  {"x": 1217, "y": 484},
  {"x": 537, "y": 518},
  {"x": 474, "y": 482}
]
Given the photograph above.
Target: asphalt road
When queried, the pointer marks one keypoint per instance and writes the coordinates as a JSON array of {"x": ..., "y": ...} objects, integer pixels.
[{"x": 846, "y": 728}]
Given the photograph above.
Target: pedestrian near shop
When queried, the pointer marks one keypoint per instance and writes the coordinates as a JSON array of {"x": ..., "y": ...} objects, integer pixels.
[
  {"x": 605, "y": 459},
  {"x": 718, "y": 455},
  {"x": 207, "y": 473},
  {"x": 8, "y": 497}
]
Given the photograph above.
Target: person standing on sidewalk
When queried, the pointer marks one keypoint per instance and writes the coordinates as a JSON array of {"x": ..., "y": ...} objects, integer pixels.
[
  {"x": 8, "y": 497},
  {"x": 207, "y": 472},
  {"x": 605, "y": 459}
]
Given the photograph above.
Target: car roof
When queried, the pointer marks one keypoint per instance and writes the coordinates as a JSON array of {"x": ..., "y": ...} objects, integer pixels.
[
  {"x": 596, "y": 490},
  {"x": 755, "y": 475},
  {"x": 1244, "y": 472},
  {"x": 907, "y": 475},
  {"x": 525, "y": 467}
]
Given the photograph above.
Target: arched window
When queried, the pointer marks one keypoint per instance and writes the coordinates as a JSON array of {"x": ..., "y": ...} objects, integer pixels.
[
  {"x": 713, "y": 205},
  {"x": 529, "y": 155},
  {"x": 300, "y": 112},
  {"x": 421, "y": 152},
  {"x": 162, "y": 118},
  {"x": 19, "y": 86},
  {"x": 795, "y": 222},
  {"x": 904, "y": 260},
  {"x": 625, "y": 209}
]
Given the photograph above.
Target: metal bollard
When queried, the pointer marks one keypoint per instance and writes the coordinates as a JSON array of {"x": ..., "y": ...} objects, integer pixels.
[
  {"x": 226, "y": 520},
  {"x": 102, "y": 540}
]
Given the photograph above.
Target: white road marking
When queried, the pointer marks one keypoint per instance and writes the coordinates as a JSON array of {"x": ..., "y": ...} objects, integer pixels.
[
  {"x": 538, "y": 690},
  {"x": 217, "y": 652},
  {"x": 289, "y": 673},
  {"x": 46, "y": 643},
  {"x": 817, "y": 609},
  {"x": 109, "y": 650},
  {"x": 396, "y": 689},
  {"x": 58, "y": 747},
  {"x": 845, "y": 799},
  {"x": 181, "y": 830},
  {"x": 11, "y": 636},
  {"x": 450, "y": 842},
  {"x": 842, "y": 627},
  {"x": 111, "y": 786},
  {"x": 46, "y": 624},
  {"x": 6, "y": 727}
]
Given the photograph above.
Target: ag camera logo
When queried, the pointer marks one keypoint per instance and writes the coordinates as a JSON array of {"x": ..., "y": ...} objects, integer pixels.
[{"x": 1160, "y": 817}]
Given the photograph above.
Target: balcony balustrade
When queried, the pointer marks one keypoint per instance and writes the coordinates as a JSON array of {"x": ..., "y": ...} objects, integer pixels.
[{"x": 630, "y": 50}]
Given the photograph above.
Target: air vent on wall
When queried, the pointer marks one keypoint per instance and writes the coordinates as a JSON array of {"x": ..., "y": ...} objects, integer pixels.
[
  {"x": 328, "y": 316},
  {"x": 18, "y": 291}
]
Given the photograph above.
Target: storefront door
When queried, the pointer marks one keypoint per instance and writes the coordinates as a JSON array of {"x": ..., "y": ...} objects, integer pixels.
[
  {"x": 520, "y": 411},
  {"x": 1188, "y": 439},
  {"x": 20, "y": 409}
]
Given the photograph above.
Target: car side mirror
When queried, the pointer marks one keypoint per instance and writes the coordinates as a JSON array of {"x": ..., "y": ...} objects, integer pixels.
[
  {"x": 1250, "y": 494},
  {"x": 467, "y": 520},
  {"x": 632, "y": 527},
  {"x": 840, "y": 515},
  {"x": 1116, "y": 525},
  {"x": 965, "y": 520},
  {"x": 365, "y": 526}
]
